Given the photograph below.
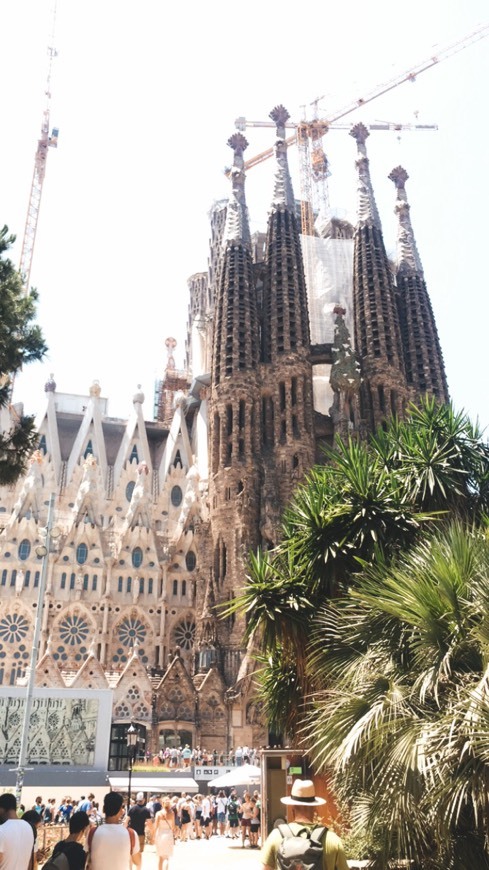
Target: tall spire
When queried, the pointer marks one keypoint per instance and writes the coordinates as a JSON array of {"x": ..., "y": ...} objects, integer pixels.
[
  {"x": 237, "y": 226},
  {"x": 423, "y": 359},
  {"x": 282, "y": 192},
  {"x": 376, "y": 316},
  {"x": 408, "y": 259},
  {"x": 285, "y": 310},
  {"x": 287, "y": 406},
  {"x": 236, "y": 323},
  {"x": 367, "y": 208}
]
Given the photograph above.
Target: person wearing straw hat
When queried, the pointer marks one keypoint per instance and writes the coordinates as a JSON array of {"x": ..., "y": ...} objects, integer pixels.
[{"x": 304, "y": 801}]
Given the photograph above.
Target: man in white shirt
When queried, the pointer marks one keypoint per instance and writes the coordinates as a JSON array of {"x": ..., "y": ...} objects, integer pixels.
[
  {"x": 206, "y": 816},
  {"x": 16, "y": 837},
  {"x": 112, "y": 845}
]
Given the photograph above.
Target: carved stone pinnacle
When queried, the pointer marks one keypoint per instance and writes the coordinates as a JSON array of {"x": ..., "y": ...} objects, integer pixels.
[
  {"x": 360, "y": 133},
  {"x": 280, "y": 115},
  {"x": 238, "y": 143},
  {"x": 399, "y": 176}
]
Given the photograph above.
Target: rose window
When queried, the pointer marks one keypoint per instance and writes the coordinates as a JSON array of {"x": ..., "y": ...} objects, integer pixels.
[
  {"x": 122, "y": 712},
  {"x": 73, "y": 630},
  {"x": 133, "y": 693},
  {"x": 131, "y": 630},
  {"x": 185, "y": 634},
  {"x": 13, "y": 627}
]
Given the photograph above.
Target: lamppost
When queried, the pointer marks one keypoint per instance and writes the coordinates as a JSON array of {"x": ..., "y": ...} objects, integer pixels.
[{"x": 132, "y": 741}]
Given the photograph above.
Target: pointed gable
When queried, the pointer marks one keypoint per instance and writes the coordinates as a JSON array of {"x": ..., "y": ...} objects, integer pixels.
[
  {"x": 48, "y": 675},
  {"x": 90, "y": 436},
  {"x": 91, "y": 675},
  {"x": 134, "y": 692},
  {"x": 134, "y": 445},
  {"x": 178, "y": 441},
  {"x": 176, "y": 694}
]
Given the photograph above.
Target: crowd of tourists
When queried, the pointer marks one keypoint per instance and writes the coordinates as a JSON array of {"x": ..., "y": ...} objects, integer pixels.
[
  {"x": 162, "y": 821},
  {"x": 182, "y": 757},
  {"x": 199, "y": 817}
]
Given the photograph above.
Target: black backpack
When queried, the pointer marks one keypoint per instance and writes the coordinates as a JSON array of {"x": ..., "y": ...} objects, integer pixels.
[
  {"x": 60, "y": 862},
  {"x": 301, "y": 851}
]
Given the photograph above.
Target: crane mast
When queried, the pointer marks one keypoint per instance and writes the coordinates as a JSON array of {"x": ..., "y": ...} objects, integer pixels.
[{"x": 45, "y": 141}]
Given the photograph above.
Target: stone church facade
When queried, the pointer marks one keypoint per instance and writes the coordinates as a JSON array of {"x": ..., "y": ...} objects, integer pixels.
[{"x": 153, "y": 519}]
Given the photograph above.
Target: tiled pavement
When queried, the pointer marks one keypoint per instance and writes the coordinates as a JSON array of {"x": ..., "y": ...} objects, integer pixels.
[{"x": 214, "y": 854}]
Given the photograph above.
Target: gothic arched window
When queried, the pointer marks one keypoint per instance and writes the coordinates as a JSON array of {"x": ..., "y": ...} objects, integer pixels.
[
  {"x": 24, "y": 549},
  {"x": 81, "y": 554}
]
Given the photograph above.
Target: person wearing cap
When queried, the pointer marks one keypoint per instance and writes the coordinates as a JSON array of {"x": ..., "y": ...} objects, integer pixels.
[
  {"x": 303, "y": 801},
  {"x": 139, "y": 816}
]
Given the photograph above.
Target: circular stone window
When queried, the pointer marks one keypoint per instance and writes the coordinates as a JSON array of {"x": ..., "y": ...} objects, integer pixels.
[{"x": 185, "y": 633}]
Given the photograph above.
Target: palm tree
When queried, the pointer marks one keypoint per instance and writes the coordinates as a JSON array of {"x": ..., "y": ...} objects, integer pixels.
[
  {"x": 368, "y": 503},
  {"x": 401, "y": 721}
]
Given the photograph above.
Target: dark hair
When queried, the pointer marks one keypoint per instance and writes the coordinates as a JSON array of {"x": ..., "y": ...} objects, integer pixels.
[
  {"x": 8, "y": 802},
  {"x": 33, "y": 817},
  {"x": 78, "y": 822},
  {"x": 112, "y": 803}
]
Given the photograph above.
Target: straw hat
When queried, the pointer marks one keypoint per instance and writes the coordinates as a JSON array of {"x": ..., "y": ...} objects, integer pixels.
[{"x": 303, "y": 794}]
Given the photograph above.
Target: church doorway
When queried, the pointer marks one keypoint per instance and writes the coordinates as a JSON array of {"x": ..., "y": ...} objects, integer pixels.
[{"x": 172, "y": 738}]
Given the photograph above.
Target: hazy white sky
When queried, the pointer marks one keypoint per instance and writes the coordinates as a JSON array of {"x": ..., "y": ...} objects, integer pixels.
[{"x": 145, "y": 95}]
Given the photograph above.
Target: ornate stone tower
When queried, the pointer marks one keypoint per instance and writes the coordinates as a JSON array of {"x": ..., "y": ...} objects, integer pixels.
[
  {"x": 423, "y": 359},
  {"x": 235, "y": 475},
  {"x": 377, "y": 332},
  {"x": 287, "y": 440}
]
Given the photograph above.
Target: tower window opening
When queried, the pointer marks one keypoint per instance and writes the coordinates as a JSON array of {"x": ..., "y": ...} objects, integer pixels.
[
  {"x": 381, "y": 394},
  {"x": 293, "y": 391},
  {"x": 229, "y": 420},
  {"x": 282, "y": 395}
]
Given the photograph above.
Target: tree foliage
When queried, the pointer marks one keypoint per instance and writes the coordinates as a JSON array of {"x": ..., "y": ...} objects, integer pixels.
[
  {"x": 369, "y": 502},
  {"x": 402, "y": 720},
  {"x": 21, "y": 342},
  {"x": 371, "y": 621}
]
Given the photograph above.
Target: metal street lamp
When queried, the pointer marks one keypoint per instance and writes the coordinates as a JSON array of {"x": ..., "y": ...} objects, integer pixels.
[{"x": 132, "y": 737}]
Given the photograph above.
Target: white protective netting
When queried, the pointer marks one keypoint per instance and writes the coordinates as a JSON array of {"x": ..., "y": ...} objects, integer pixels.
[{"x": 328, "y": 265}]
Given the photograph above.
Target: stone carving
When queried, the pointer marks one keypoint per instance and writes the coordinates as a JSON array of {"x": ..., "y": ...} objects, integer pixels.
[{"x": 62, "y": 730}]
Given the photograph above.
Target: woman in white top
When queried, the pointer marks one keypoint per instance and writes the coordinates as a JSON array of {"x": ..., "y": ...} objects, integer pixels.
[{"x": 164, "y": 834}]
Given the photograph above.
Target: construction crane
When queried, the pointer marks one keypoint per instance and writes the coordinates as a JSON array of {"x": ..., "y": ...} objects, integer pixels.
[
  {"x": 47, "y": 140},
  {"x": 309, "y": 134},
  {"x": 314, "y": 167}
]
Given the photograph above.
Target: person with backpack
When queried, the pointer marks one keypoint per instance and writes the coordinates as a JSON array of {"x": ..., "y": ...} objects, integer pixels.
[
  {"x": 69, "y": 854},
  {"x": 302, "y": 842},
  {"x": 112, "y": 845},
  {"x": 233, "y": 817}
]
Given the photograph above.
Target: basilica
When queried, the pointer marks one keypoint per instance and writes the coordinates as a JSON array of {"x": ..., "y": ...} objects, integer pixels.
[{"x": 291, "y": 339}]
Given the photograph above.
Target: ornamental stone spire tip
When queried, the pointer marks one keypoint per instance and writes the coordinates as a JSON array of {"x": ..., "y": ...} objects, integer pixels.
[
  {"x": 283, "y": 195},
  {"x": 280, "y": 116},
  {"x": 367, "y": 207},
  {"x": 408, "y": 259},
  {"x": 237, "y": 228},
  {"x": 399, "y": 176}
]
